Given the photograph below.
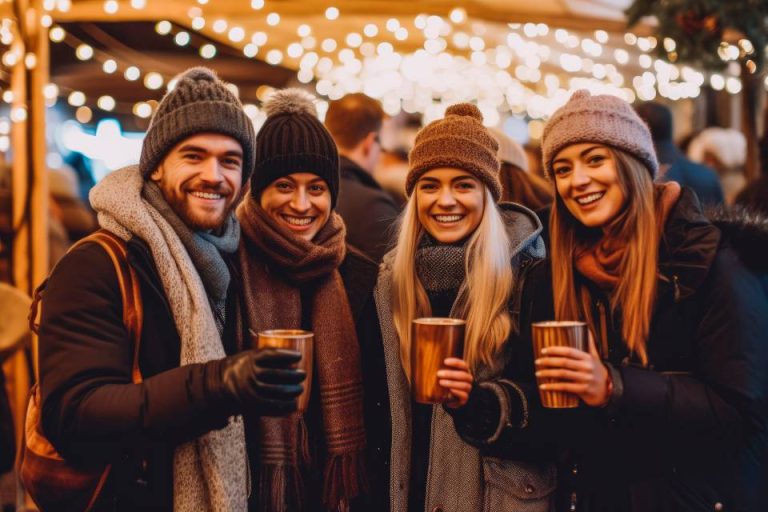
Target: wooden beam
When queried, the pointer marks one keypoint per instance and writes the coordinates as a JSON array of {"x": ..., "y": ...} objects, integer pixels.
[{"x": 176, "y": 10}]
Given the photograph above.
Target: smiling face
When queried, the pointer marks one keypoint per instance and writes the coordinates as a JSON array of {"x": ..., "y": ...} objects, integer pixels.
[
  {"x": 450, "y": 203},
  {"x": 201, "y": 179},
  {"x": 587, "y": 179},
  {"x": 301, "y": 202}
]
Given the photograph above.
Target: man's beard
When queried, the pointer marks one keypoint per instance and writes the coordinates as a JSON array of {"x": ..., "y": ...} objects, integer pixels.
[{"x": 195, "y": 220}]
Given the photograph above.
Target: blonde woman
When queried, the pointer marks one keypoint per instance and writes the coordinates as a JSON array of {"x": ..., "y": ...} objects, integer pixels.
[
  {"x": 458, "y": 254},
  {"x": 674, "y": 390}
]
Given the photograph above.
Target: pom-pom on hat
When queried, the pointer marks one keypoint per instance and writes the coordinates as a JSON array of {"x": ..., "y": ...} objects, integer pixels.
[
  {"x": 199, "y": 103},
  {"x": 602, "y": 119},
  {"x": 293, "y": 140},
  {"x": 459, "y": 140}
]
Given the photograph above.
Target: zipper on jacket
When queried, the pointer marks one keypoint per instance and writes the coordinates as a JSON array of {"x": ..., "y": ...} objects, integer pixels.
[
  {"x": 603, "y": 330},
  {"x": 676, "y": 285}
]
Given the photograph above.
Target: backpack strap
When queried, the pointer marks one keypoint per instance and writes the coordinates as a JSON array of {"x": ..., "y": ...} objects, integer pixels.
[{"x": 133, "y": 312}]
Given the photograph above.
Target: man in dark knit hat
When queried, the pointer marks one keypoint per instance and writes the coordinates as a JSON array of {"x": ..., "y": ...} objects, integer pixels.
[
  {"x": 174, "y": 435},
  {"x": 368, "y": 210}
]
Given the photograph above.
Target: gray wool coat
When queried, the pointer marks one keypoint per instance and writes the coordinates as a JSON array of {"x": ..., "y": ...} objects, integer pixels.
[{"x": 459, "y": 479}]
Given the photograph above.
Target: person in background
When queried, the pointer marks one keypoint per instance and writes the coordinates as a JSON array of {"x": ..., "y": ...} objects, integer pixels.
[
  {"x": 673, "y": 388},
  {"x": 354, "y": 122},
  {"x": 70, "y": 219},
  {"x": 725, "y": 151},
  {"x": 674, "y": 166},
  {"x": 517, "y": 184},
  {"x": 298, "y": 273},
  {"x": 459, "y": 254},
  {"x": 397, "y": 136},
  {"x": 175, "y": 441}
]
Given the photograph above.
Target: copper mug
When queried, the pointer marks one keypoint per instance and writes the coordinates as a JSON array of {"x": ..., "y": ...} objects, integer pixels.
[
  {"x": 433, "y": 340},
  {"x": 561, "y": 334},
  {"x": 300, "y": 341}
]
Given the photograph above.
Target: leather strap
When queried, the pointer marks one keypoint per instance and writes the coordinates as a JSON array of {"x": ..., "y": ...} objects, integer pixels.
[{"x": 133, "y": 311}]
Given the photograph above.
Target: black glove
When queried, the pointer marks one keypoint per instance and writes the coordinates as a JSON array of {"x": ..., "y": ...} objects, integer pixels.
[{"x": 262, "y": 382}]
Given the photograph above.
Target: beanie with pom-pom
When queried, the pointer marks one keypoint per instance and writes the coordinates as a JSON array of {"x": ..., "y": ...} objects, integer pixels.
[
  {"x": 459, "y": 140},
  {"x": 199, "y": 103},
  {"x": 293, "y": 140}
]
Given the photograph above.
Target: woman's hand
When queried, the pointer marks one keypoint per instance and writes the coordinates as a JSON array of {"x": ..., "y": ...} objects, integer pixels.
[
  {"x": 457, "y": 380},
  {"x": 578, "y": 372}
]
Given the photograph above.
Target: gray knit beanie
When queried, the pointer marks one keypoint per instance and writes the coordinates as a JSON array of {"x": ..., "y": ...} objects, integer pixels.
[
  {"x": 459, "y": 140},
  {"x": 293, "y": 139},
  {"x": 199, "y": 103},
  {"x": 602, "y": 119}
]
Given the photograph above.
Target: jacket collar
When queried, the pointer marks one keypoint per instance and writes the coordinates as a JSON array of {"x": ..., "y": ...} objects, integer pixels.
[{"x": 688, "y": 246}]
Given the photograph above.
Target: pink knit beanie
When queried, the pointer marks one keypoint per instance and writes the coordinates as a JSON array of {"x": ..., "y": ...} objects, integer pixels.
[{"x": 602, "y": 119}]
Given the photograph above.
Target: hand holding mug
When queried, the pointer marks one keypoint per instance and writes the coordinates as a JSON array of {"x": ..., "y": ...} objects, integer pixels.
[
  {"x": 578, "y": 372},
  {"x": 457, "y": 380}
]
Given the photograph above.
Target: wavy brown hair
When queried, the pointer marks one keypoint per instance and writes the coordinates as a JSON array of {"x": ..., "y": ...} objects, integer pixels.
[{"x": 636, "y": 224}]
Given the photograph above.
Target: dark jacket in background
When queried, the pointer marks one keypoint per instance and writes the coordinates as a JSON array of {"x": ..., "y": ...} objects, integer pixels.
[
  {"x": 690, "y": 430},
  {"x": 91, "y": 411},
  {"x": 359, "y": 275},
  {"x": 699, "y": 178},
  {"x": 367, "y": 209}
]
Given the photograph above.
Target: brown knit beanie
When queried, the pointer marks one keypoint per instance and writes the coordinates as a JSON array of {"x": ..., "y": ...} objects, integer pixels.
[
  {"x": 459, "y": 140},
  {"x": 199, "y": 103},
  {"x": 293, "y": 139},
  {"x": 602, "y": 119}
]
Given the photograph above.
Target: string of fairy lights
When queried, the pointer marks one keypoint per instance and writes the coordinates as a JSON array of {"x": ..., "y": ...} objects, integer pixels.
[{"x": 417, "y": 64}]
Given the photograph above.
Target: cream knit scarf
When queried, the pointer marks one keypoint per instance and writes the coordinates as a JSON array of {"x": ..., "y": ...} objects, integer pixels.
[{"x": 209, "y": 473}]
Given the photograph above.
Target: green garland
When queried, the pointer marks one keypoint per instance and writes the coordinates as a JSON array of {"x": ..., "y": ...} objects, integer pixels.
[{"x": 698, "y": 26}]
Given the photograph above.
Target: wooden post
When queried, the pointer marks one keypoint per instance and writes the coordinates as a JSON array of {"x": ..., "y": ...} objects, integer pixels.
[
  {"x": 29, "y": 180},
  {"x": 752, "y": 94}
]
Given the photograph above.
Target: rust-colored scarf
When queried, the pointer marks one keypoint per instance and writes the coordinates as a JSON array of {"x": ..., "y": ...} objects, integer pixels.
[
  {"x": 600, "y": 261},
  {"x": 276, "y": 265}
]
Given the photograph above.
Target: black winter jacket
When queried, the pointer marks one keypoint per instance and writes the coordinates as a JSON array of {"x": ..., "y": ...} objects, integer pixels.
[
  {"x": 93, "y": 414},
  {"x": 368, "y": 211},
  {"x": 689, "y": 431},
  {"x": 91, "y": 411}
]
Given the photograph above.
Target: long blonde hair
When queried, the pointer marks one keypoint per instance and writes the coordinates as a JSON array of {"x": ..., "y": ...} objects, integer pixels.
[
  {"x": 482, "y": 302},
  {"x": 636, "y": 292}
]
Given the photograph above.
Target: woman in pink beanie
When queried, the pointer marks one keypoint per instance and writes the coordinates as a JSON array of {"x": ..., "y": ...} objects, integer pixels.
[
  {"x": 459, "y": 254},
  {"x": 673, "y": 391}
]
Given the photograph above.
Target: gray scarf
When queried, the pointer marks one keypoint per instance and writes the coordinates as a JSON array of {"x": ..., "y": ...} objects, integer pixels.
[
  {"x": 440, "y": 267},
  {"x": 205, "y": 249}
]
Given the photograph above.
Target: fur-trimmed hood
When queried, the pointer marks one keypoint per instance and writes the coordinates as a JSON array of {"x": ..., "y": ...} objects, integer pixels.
[
  {"x": 692, "y": 239},
  {"x": 747, "y": 232}
]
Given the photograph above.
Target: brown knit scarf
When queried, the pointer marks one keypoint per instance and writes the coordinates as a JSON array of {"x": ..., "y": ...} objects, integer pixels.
[
  {"x": 276, "y": 265},
  {"x": 600, "y": 261}
]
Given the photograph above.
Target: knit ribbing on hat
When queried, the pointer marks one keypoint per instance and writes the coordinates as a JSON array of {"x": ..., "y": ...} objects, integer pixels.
[
  {"x": 199, "y": 103},
  {"x": 293, "y": 140},
  {"x": 602, "y": 119},
  {"x": 459, "y": 140}
]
